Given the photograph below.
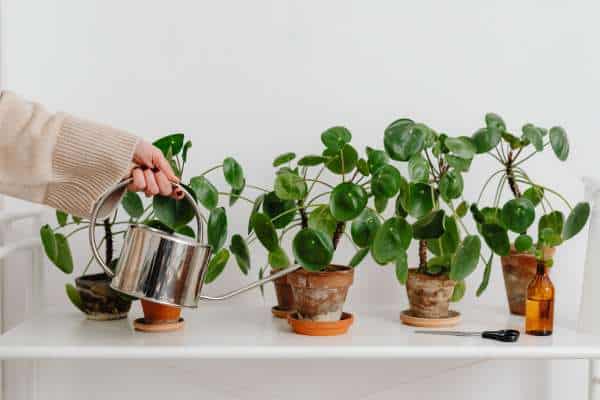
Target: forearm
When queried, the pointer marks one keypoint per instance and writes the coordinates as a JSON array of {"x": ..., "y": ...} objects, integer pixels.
[{"x": 57, "y": 159}]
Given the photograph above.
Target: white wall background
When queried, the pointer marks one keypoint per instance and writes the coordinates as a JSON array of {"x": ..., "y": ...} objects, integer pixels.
[{"x": 253, "y": 79}]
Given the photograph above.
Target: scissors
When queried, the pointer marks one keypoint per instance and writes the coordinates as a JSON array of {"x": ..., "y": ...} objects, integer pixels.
[{"x": 504, "y": 335}]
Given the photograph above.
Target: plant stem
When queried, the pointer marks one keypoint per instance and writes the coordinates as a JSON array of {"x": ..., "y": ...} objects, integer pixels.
[
  {"x": 422, "y": 255},
  {"x": 514, "y": 188},
  {"x": 257, "y": 188},
  {"x": 238, "y": 196},
  {"x": 303, "y": 216},
  {"x": 340, "y": 228},
  {"x": 316, "y": 177},
  {"x": 316, "y": 197},
  {"x": 525, "y": 159},
  {"x": 321, "y": 182},
  {"x": 287, "y": 229},
  {"x": 554, "y": 192},
  {"x": 211, "y": 169},
  {"x": 487, "y": 182}
]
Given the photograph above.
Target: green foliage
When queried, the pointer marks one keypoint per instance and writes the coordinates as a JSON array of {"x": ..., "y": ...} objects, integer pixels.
[
  {"x": 61, "y": 217},
  {"x": 576, "y": 220},
  {"x": 391, "y": 238},
  {"x": 278, "y": 259},
  {"x": 403, "y": 139},
  {"x": 206, "y": 193},
  {"x": 265, "y": 231},
  {"x": 386, "y": 182},
  {"x": 518, "y": 214},
  {"x": 533, "y": 135},
  {"x": 335, "y": 138},
  {"x": 465, "y": 259},
  {"x": 74, "y": 297},
  {"x": 375, "y": 160},
  {"x": 364, "y": 228},
  {"x": 358, "y": 257},
  {"x": 312, "y": 249},
  {"x": 170, "y": 145},
  {"x": 233, "y": 173},
  {"x": 321, "y": 219},
  {"x": 430, "y": 226},
  {"x": 341, "y": 161},
  {"x": 459, "y": 291},
  {"x": 311, "y": 161},
  {"x": 239, "y": 249},
  {"x": 559, "y": 142},
  {"x": 347, "y": 201},
  {"x": 132, "y": 204},
  {"x": 289, "y": 186},
  {"x": 451, "y": 185},
  {"x": 418, "y": 169},
  {"x": 284, "y": 210},
  {"x": 216, "y": 265},
  {"x": 402, "y": 267},
  {"x": 283, "y": 159},
  {"x": 419, "y": 200},
  {"x": 496, "y": 237},
  {"x": 217, "y": 228}
]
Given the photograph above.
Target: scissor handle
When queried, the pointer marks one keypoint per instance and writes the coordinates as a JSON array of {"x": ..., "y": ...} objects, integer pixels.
[{"x": 504, "y": 335}]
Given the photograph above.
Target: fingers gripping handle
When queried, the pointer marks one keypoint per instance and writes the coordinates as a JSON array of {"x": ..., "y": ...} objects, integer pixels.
[{"x": 120, "y": 186}]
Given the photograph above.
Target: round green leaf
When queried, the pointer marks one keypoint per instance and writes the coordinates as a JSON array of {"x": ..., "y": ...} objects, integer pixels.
[
  {"x": 524, "y": 243},
  {"x": 459, "y": 291},
  {"x": 234, "y": 196},
  {"x": 341, "y": 161},
  {"x": 171, "y": 212},
  {"x": 496, "y": 237},
  {"x": 265, "y": 231},
  {"x": 239, "y": 249},
  {"x": 364, "y": 228},
  {"x": 392, "y": 238},
  {"x": 64, "y": 260},
  {"x": 534, "y": 136},
  {"x": 376, "y": 159},
  {"x": 402, "y": 268},
  {"x": 399, "y": 209},
  {"x": 257, "y": 204},
  {"x": 449, "y": 241},
  {"x": 73, "y": 295},
  {"x": 487, "y": 272},
  {"x": 216, "y": 265},
  {"x": 386, "y": 181},
  {"x": 465, "y": 259},
  {"x": 321, "y": 219},
  {"x": 462, "y": 209},
  {"x": 576, "y": 220},
  {"x": 459, "y": 164},
  {"x": 206, "y": 193},
  {"x": 217, "y": 228},
  {"x": 420, "y": 199},
  {"x": 512, "y": 140},
  {"x": 170, "y": 144},
  {"x": 403, "y": 139},
  {"x": 451, "y": 185},
  {"x": 486, "y": 139},
  {"x": 418, "y": 169},
  {"x": 549, "y": 238},
  {"x": 559, "y": 142},
  {"x": 554, "y": 220},
  {"x": 278, "y": 259},
  {"x": 347, "y": 201},
  {"x": 234, "y": 174},
  {"x": 358, "y": 257},
  {"x": 283, "y": 158},
  {"x": 311, "y": 161},
  {"x": 535, "y": 194},
  {"x": 518, "y": 214},
  {"x": 381, "y": 203},
  {"x": 430, "y": 226},
  {"x": 312, "y": 249},
  {"x": 363, "y": 167},
  {"x": 156, "y": 224},
  {"x": 284, "y": 210},
  {"x": 49, "y": 242},
  {"x": 62, "y": 217},
  {"x": 495, "y": 122},
  {"x": 289, "y": 186},
  {"x": 186, "y": 231},
  {"x": 461, "y": 147},
  {"x": 335, "y": 138},
  {"x": 132, "y": 203}
]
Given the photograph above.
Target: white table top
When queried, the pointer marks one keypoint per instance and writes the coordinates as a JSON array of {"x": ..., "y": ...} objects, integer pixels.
[{"x": 222, "y": 331}]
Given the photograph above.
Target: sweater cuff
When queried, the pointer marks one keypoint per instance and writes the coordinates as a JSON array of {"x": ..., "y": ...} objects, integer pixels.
[{"x": 88, "y": 160}]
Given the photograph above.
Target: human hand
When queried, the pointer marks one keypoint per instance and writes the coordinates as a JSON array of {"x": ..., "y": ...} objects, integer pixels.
[{"x": 153, "y": 174}]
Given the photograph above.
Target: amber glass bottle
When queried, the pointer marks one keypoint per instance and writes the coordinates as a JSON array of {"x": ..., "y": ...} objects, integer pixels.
[{"x": 539, "y": 308}]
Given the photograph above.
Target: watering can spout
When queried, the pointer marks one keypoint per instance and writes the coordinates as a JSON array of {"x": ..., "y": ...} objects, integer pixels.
[{"x": 253, "y": 285}]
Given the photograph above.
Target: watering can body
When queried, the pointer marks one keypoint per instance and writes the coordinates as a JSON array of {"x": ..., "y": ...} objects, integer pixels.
[{"x": 163, "y": 267}]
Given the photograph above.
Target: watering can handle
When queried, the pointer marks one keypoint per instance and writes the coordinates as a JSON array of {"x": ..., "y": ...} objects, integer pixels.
[
  {"x": 260, "y": 282},
  {"x": 120, "y": 186}
]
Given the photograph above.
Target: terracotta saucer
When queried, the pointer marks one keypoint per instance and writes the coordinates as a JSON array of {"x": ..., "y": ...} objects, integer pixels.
[
  {"x": 280, "y": 312},
  {"x": 452, "y": 319},
  {"x": 320, "y": 328},
  {"x": 141, "y": 325}
]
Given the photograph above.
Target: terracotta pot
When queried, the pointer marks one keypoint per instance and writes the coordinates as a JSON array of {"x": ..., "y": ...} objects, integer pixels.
[
  {"x": 100, "y": 302},
  {"x": 429, "y": 295},
  {"x": 283, "y": 290},
  {"x": 320, "y": 296},
  {"x": 518, "y": 270},
  {"x": 156, "y": 313}
]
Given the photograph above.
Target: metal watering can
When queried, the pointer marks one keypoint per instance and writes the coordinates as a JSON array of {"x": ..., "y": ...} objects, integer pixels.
[{"x": 161, "y": 267}]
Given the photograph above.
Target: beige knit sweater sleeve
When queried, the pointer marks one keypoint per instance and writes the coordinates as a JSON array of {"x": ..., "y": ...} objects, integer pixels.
[{"x": 57, "y": 159}]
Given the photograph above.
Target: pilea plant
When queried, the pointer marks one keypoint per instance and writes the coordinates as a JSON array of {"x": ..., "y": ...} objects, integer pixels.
[
  {"x": 497, "y": 223},
  {"x": 436, "y": 164},
  {"x": 319, "y": 218},
  {"x": 164, "y": 213}
]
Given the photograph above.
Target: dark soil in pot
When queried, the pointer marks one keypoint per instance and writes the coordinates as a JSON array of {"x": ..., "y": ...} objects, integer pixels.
[
  {"x": 429, "y": 295},
  {"x": 320, "y": 296},
  {"x": 99, "y": 301},
  {"x": 283, "y": 290},
  {"x": 518, "y": 270}
]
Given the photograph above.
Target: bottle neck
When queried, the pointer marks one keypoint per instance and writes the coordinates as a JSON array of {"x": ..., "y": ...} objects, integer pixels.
[{"x": 541, "y": 268}]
